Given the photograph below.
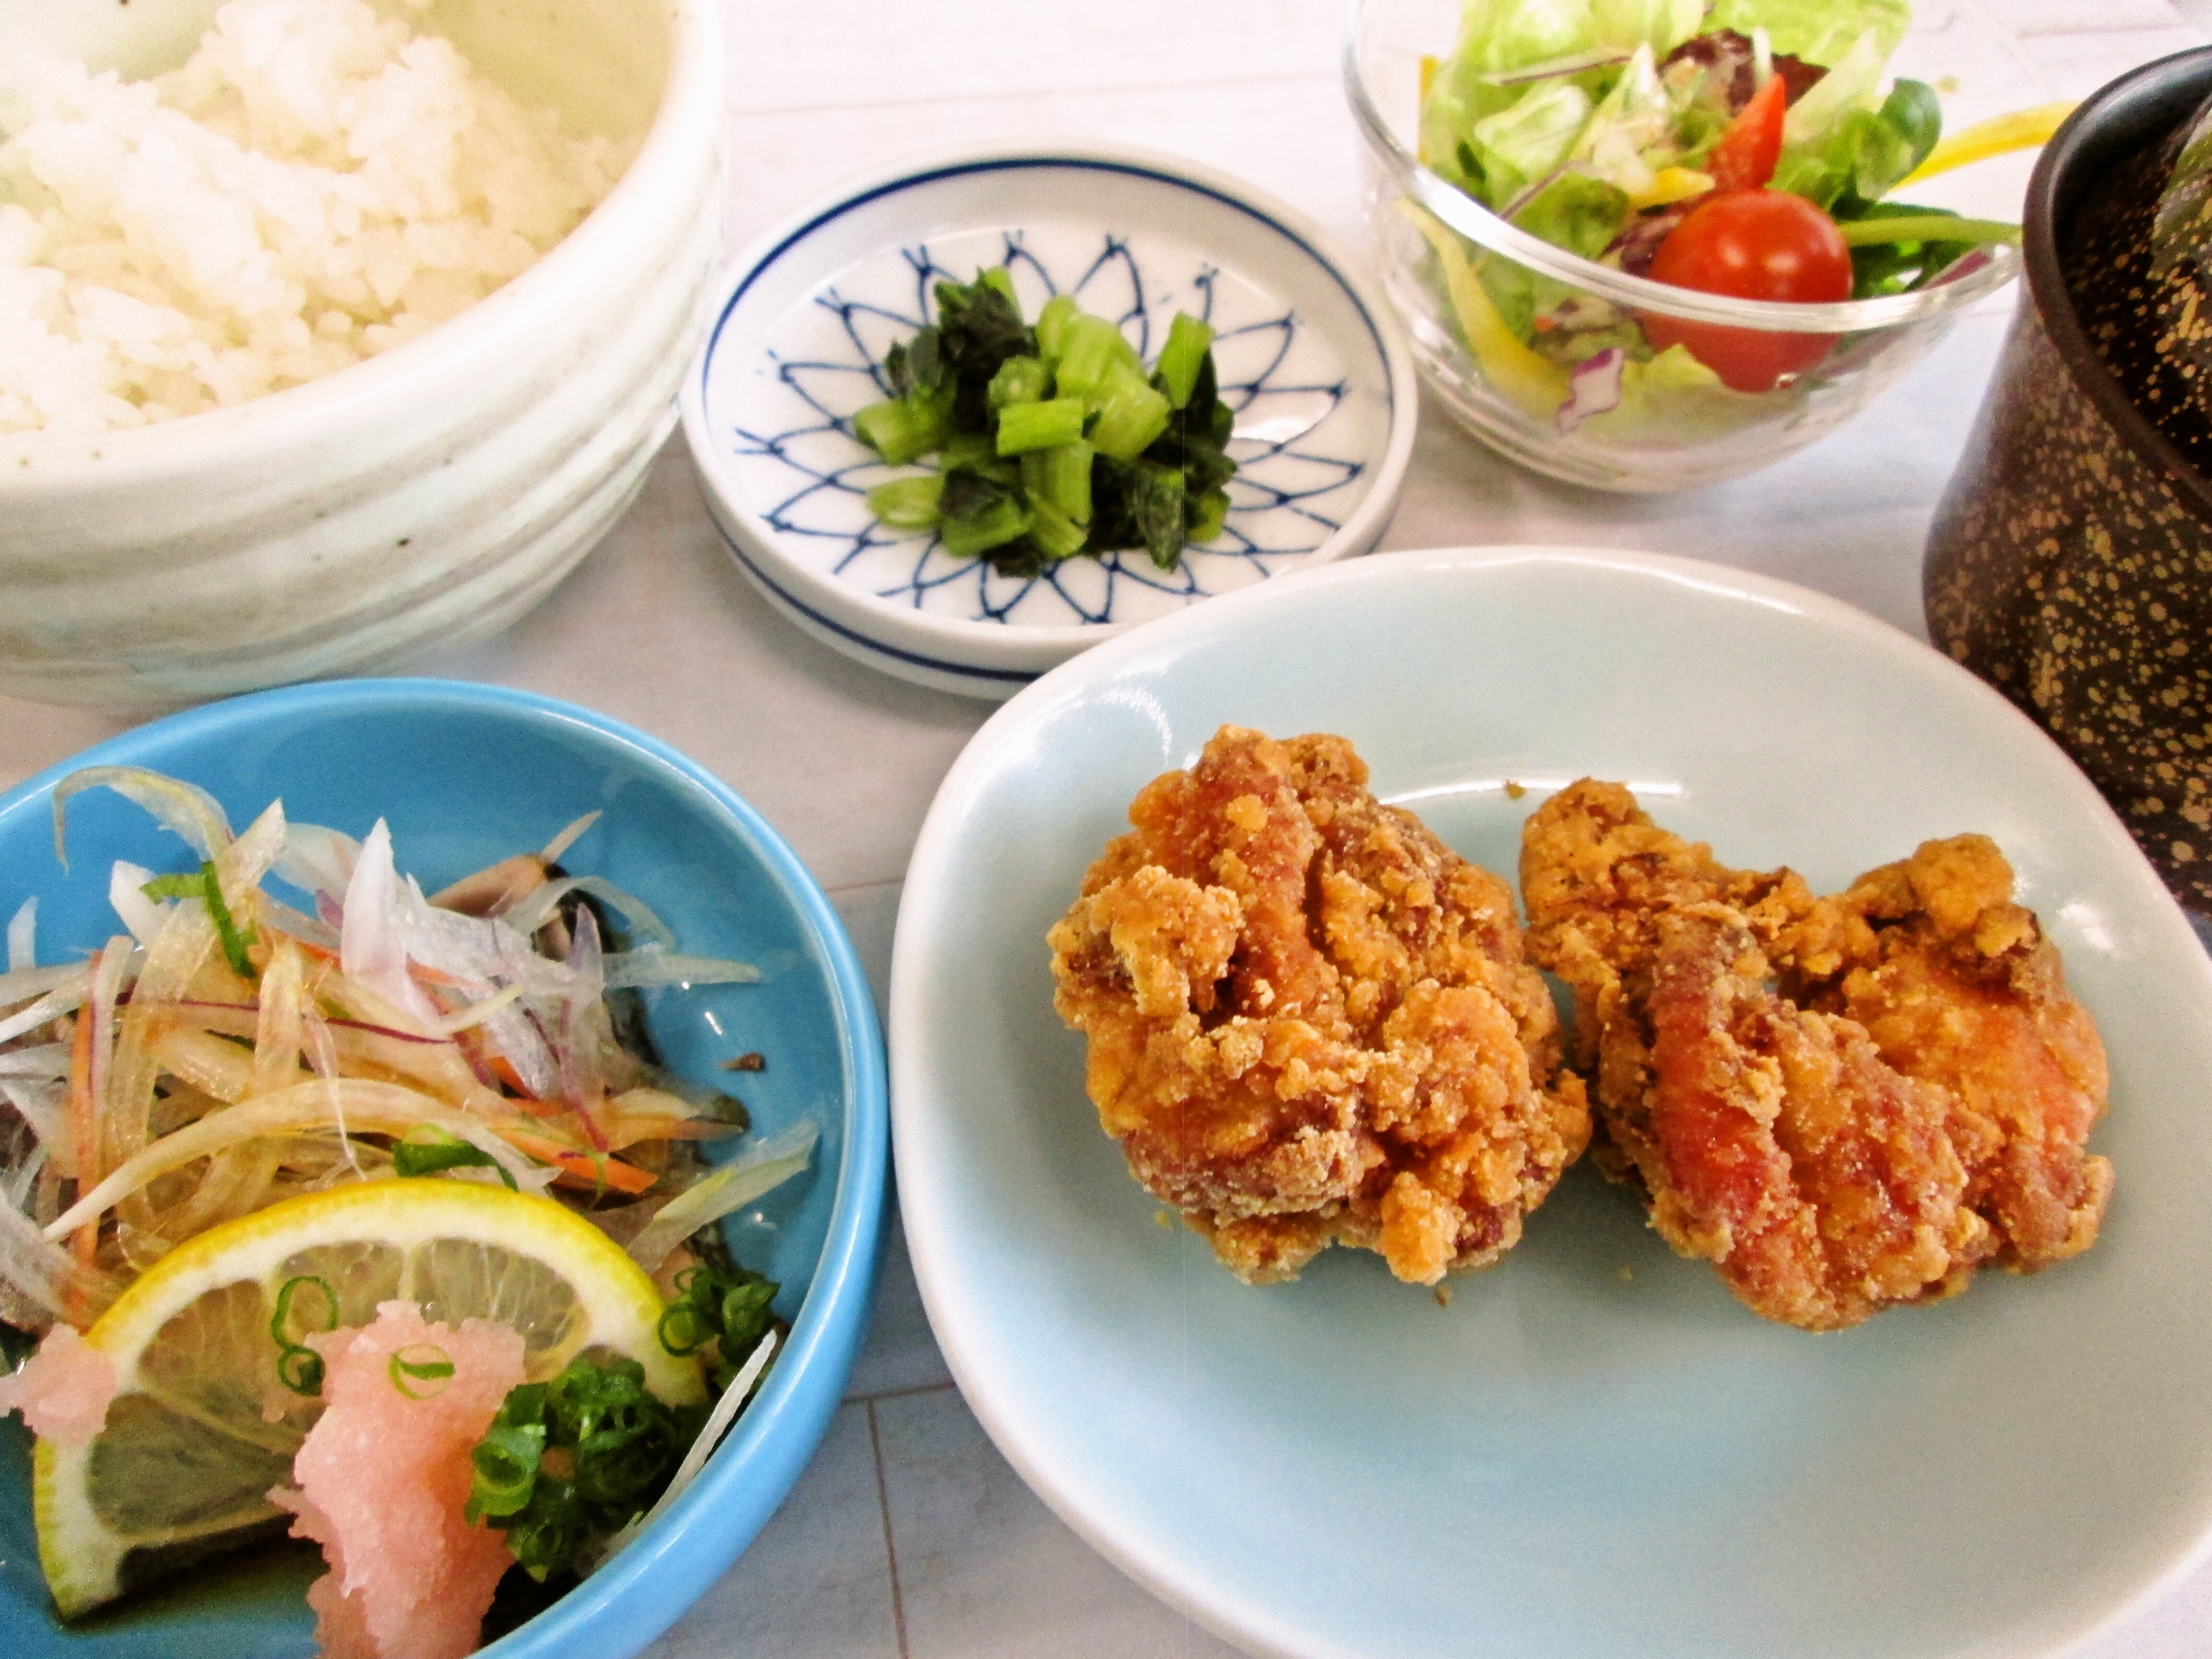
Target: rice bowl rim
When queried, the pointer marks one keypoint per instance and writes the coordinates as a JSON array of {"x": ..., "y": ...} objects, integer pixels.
[{"x": 476, "y": 345}]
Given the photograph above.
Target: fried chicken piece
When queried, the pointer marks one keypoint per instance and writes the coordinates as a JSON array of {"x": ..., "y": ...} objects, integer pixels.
[
  {"x": 1310, "y": 1022},
  {"x": 1961, "y": 989},
  {"x": 1845, "y": 1102},
  {"x": 1775, "y": 1142}
]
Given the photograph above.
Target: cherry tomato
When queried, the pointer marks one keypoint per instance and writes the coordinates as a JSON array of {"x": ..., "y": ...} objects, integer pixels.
[{"x": 1752, "y": 244}]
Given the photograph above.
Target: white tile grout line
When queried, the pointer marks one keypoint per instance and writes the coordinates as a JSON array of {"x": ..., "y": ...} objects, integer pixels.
[
  {"x": 915, "y": 1392},
  {"x": 883, "y": 1509},
  {"x": 864, "y": 886}
]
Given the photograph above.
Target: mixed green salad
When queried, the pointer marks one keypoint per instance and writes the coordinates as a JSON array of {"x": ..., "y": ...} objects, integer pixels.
[{"x": 1739, "y": 147}]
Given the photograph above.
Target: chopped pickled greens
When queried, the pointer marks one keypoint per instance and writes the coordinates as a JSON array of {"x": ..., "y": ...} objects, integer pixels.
[{"x": 1053, "y": 441}]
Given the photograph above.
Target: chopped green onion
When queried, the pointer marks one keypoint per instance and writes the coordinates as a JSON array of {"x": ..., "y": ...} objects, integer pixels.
[
  {"x": 421, "y": 1362},
  {"x": 684, "y": 1329},
  {"x": 1019, "y": 381},
  {"x": 206, "y": 888},
  {"x": 506, "y": 1462},
  {"x": 426, "y": 1150},
  {"x": 299, "y": 1367},
  {"x": 1181, "y": 357},
  {"x": 906, "y": 503},
  {"x": 1025, "y": 426}
]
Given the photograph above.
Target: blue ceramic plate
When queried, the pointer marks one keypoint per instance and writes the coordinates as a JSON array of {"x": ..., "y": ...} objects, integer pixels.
[
  {"x": 465, "y": 775},
  {"x": 1311, "y": 361},
  {"x": 1594, "y": 1451}
]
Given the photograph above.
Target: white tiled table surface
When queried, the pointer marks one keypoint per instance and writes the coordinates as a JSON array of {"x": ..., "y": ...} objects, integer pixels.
[{"x": 909, "y": 1537}]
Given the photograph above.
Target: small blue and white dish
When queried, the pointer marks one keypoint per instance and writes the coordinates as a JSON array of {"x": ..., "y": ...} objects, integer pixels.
[
  {"x": 1311, "y": 359},
  {"x": 465, "y": 774}
]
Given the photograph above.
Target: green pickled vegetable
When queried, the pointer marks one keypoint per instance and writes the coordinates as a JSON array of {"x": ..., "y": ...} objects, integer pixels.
[{"x": 1051, "y": 441}]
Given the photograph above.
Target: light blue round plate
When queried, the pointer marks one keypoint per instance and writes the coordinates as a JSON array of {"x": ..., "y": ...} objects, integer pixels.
[
  {"x": 1594, "y": 1452},
  {"x": 466, "y": 774},
  {"x": 1312, "y": 360}
]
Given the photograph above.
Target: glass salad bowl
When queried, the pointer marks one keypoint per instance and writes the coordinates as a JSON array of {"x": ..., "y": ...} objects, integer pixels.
[{"x": 1556, "y": 360}]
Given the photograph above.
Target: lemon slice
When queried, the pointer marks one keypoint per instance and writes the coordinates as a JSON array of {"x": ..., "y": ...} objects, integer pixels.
[{"x": 201, "y": 1429}]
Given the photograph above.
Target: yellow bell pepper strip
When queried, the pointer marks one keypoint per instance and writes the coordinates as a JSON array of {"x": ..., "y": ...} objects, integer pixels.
[
  {"x": 1671, "y": 184},
  {"x": 1532, "y": 383},
  {"x": 2022, "y": 129}
]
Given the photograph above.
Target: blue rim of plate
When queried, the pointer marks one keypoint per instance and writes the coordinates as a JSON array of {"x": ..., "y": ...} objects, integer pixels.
[
  {"x": 775, "y": 1437},
  {"x": 1159, "y": 170},
  {"x": 995, "y": 678}
]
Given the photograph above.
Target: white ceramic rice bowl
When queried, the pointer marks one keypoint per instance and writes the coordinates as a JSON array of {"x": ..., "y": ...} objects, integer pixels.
[{"x": 431, "y": 494}]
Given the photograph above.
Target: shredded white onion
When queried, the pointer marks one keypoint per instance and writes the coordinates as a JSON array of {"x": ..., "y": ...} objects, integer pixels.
[
  {"x": 126, "y": 894},
  {"x": 48, "y": 1275},
  {"x": 23, "y": 936},
  {"x": 651, "y": 965},
  {"x": 350, "y": 1104},
  {"x": 536, "y": 909},
  {"x": 27, "y": 983},
  {"x": 184, "y": 808},
  {"x": 569, "y": 837},
  {"x": 757, "y": 1170}
]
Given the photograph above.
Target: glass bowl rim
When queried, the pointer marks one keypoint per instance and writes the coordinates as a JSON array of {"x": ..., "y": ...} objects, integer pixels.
[{"x": 1967, "y": 281}]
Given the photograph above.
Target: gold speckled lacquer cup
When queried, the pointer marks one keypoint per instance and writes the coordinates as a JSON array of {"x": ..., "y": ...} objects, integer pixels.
[{"x": 2070, "y": 564}]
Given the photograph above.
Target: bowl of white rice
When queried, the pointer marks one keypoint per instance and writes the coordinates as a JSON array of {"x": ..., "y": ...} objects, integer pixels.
[{"x": 331, "y": 329}]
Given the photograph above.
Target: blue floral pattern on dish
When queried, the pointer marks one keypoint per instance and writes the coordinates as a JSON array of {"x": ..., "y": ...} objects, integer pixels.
[{"x": 790, "y": 435}]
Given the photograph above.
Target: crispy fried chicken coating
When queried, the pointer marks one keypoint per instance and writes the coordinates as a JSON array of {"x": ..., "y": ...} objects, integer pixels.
[
  {"x": 1310, "y": 1022},
  {"x": 1843, "y": 1102}
]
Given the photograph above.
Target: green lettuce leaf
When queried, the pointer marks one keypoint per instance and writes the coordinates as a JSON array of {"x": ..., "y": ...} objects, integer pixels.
[
  {"x": 1576, "y": 212},
  {"x": 1661, "y": 25},
  {"x": 1626, "y": 139},
  {"x": 1673, "y": 398},
  {"x": 1520, "y": 144},
  {"x": 1839, "y": 144},
  {"x": 1819, "y": 31}
]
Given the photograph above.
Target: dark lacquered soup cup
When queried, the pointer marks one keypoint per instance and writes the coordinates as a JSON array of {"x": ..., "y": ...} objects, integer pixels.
[{"x": 2071, "y": 563}]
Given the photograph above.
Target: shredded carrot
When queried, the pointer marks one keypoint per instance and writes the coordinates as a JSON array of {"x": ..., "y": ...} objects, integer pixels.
[{"x": 578, "y": 1169}]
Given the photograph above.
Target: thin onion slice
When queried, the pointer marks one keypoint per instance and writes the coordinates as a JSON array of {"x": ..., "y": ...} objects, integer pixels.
[
  {"x": 23, "y": 936},
  {"x": 757, "y": 1170},
  {"x": 550, "y": 853},
  {"x": 44, "y": 1061},
  {"x": 39, "y": 1270},
  {"x": 26, "y": 981},
  {"x": 65, "y": 1000},
  {"x": 350, "y": 1104},
  {"x": 184, "y": 808},
  {"x": 652, "y": 965},
  {"x": 535, "y": 911}
]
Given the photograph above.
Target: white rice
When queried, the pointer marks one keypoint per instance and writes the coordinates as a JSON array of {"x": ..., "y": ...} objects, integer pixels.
[{"x": 319, "y": 183}]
